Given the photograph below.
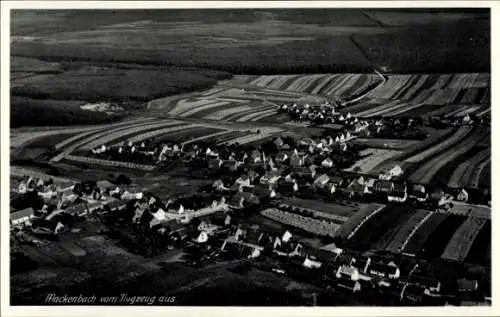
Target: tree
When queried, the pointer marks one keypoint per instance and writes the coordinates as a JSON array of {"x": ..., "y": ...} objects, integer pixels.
[{"x": 123, "y": 180}]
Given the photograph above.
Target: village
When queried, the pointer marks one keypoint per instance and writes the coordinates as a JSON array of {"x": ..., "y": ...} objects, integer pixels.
[{"x": 267, "y": 180}]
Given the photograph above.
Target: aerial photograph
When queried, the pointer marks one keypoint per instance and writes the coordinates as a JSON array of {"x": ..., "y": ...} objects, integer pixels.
[{"x": 250, "y": 157}]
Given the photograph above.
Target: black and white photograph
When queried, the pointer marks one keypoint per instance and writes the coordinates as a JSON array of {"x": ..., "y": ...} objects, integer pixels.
[{"x": 248, "y": 156}]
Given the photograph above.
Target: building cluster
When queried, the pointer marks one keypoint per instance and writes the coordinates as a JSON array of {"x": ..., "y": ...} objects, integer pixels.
[{"x": 52, "y": 207}]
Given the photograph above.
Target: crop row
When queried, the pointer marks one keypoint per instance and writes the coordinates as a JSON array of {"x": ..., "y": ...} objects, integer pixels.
[
  {"x": 427, "y": 171},
  {"x": 423, "y": 232},
  {"x": 323, "y": 84},
  {"x": 154, "y": 133},
  {"x": 99, "y": 162},
  {"x": 115, "y": 134},
  {"x": 462, "y": 240},
  {"x": 405, "y": 233},
  {"x": 463, "y": 175},
  {"x": 349, "y": 228},
  {"x": 320, "y": 227}
]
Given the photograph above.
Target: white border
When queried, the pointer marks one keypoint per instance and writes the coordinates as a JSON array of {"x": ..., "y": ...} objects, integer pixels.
[{"x": 7, "y": 310}]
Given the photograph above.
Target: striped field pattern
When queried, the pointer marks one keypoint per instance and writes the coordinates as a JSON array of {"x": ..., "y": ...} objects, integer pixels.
[
  {"x": 463, "y": 238},
  {"x": 404, "y": 94}
]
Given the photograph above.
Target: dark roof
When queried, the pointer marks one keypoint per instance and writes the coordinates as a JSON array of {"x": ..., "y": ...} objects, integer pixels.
[
  {"x": 22, "y": 213},
  {"x": 383, "y": 185},
  {"x": 347, "y": 283},
  {"x": 425, "y": 281},
  {"x": 383, "y": 268},
  {"x": 253, "y": 237}
]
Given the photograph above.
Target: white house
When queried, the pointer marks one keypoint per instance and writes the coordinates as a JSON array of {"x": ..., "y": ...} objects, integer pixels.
[
  {"x": 346, "y": 271},
  {"x": 328, "y": 162},
  {"x": 463, "y": 195},
  {"x": 22, "y": 217}
]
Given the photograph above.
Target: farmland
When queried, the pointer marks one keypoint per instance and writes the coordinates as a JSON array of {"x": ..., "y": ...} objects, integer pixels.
[
  {"x": 405, "y": 233},
  {"x": 196, "y": 93},
  {"x": 437, "y": 241},
  {"x": 425, "y": 95},
  {"x": 379, "y": 230},
  {"x": 419, "y": 237},
  {"x": 316, "y": 226},
  {"x": 461, "y": 242}
]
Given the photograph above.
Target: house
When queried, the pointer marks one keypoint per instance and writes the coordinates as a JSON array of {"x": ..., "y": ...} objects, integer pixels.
[
  {"x": 347, "y": 272},
  {"x": 288, "y": 187},
  {"x": 231, "y": 165},
  {"x": 348, "y": 284},
  {"x": 332, "y": 247},
  {"x": 282, "y": 158},
  {"x": 413, "y": 293},
  {"x": 311, "y": 263},
  {"x": 297, "y": 159},
  {"x": 394, "y": 171},
  {"x": 439, "y": 199},
  {"x": 271, "y": 177},
  {"x": 49, "y": 227},
  {"x": 305, "y": 172},
  {"x": 383, "y": 187},
  {"x": 379, "y": 269},
  {"x": 419, "y": 193},
  {"x": 336, "y": 180},
  {"x": 279, "y": 142},
  {"x": 256, "y": 156},
  {"x": 362, "y": 263},
  {"x": 463, "y": 195},
  {"x": 242, "y": 181},
  {"x": 321, "y": 181},
  {"x": 327, "y": 163},
  {"x": 237, "y": 201},
  {"x": 202, "y": 237},
  {"x": 356, "y": 189},
  {"x": 430, "y": 284},
  {"x": 219, "y": 185},
  {"x": 158, "y": 217},
  {"x": 464, "y": 285},
  {"x": 215, "y": 163},
  {"x": 176, "y": 207},
  {"x": 399, "y": 193},
  {"x": 22, "y": 217}
]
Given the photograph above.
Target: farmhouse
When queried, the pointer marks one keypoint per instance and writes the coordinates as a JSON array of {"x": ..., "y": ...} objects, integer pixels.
[
  {"x": 463, "y": 195},
  {"x": 349, "y": 272},
  {"x": 22, "y": 217},
  {"x": 399, "y": 193},
  {"x": 379, "y": 269},
  {"x": 430, "y": 284},
  {"x": 419, "y": 193},
  {"x": 383, "y": 187},
  {"x": 362, "y": 263}
]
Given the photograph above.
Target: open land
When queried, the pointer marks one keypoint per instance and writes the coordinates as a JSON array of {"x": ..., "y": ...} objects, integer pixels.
[{"x": 159, "y": 79}]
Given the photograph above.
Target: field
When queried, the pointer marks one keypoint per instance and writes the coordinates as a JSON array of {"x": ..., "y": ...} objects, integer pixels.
[
  {"x": 420, "y": 236},
  {"x": 321, "y": 227},
  {"x": 437, "y": 241},
  {"x": 461, "y": 242},
  {"x": 426, "y": 95},
  {"x": 350, "y": 227},
  {"x": 372, "y": 159},
  {"x": 378, "y": 230},
  {"x": 405, "y": 233}
]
